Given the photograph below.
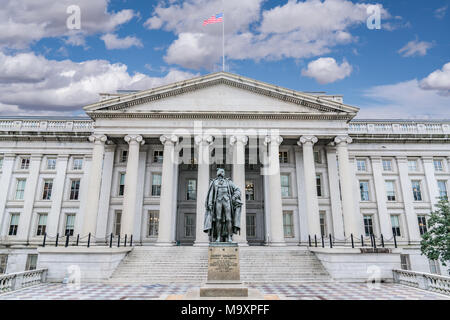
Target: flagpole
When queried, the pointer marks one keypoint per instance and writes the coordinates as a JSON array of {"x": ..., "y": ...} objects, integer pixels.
[{"x": 223, "y": 42}]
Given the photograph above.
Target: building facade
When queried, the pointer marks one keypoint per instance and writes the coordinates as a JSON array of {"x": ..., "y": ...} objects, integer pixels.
[{"x": 140, "y": 166}]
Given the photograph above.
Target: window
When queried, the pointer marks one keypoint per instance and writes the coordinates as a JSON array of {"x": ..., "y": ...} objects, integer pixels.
[
  {"x": 412, "y": 165},
  {"x": 323, "y": 223},
  {"x": 3, "y": 263},
  {"x": 153, "y": 223},
  {"x": 319, "y": 185},
  {"x": 404, "y": 262},
  {"x": 364, "y": 190},
  {"x": 20, "y": 189},
  {"x": 395, "y": 222},
  {"x": 416, "y": 190},
  {"x": 422, "y": 224},
  {"x": 123, "y": 156},
  {"x": 368, "y": 225},
  {"x": 434, "y": 266},
  {"x": 442, "y": 186},
  {"x": 48, "y": 186},
  {"x": 390, "y": 190},
  {"x": 25, "y": 163},
  {"x": 121, "y": 184},
  {"x": 283, "y": 157},
  {"x": 158, "y": 156},
  {"x": 189, "y": 225},
  {"x": 117, "y": 222},
  {"x": 249, "y": 190},
  {"x": 251, "y": 225},
  {"x": 191, "y": 189},
  {"x": 317, "y": 157},
  {"x": 387, "y": 165},
  {"x": 31, "y": 262},
  {"x": 51, "y": 163},
  {"x": 285, "y": 189},
  {"x": 438, "y": 166},
  {"x": 74, "y": 190},
  {"x": 288, "y": 224},
  {"x": 42, "y": 224},
  {"x": 77, "y": 164},
  {"x": 1, "y": 163},
  {"x": 156, "y": 184},
  {"x": 14, "y": 224},
  {"x": 361, "y": 165},
  {"x": 70, "y": 225}
]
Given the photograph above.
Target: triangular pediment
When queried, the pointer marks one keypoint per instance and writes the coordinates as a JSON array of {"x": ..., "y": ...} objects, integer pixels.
[{"x": 217, "y": 93}]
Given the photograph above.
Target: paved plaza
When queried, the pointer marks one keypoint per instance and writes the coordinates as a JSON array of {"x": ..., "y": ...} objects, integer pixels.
[{"x": 307, "y": 291}]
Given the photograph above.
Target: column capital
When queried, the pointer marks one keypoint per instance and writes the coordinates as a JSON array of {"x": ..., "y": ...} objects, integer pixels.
[
  {"x": 134, "y": 138},
  {"x": 375, "y": 159},
  {"x": 36, "y": 157},
  {"x": 307, "y": 139},
  {"x": 342, "y": 140},
  {"x": 98, "y": 138},
  {"x": 238, "y": 139},
  {"x": 167, "y": 139},
  {"x": 275, "y": 139},
  {"x": 427, "y": 159},
  {"x": 203, "y": 139},
  {"x": 401, "y": 159}
]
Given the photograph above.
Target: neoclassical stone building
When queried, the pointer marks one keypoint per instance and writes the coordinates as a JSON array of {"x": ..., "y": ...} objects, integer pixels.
[{"x": 140, "y": 166}]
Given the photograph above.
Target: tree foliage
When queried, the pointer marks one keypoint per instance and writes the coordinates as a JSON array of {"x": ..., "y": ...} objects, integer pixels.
[{"x": 435, "y": 242}]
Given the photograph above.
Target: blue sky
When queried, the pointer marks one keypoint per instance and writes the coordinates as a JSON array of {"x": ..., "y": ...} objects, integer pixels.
[{"x": 399, "y": 71}]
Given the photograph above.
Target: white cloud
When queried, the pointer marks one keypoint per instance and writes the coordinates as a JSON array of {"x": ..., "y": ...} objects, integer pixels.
[
  {"x": 25, "y": 21},
  {"x": 296, "y": 29},
  {"x": 34, "y": 85},
  {"x": 327, "y": 70},
  {"x": 113, "y": 42},
  {"x": 441, "y": 12},
  {"x": 415, "y": 48},
  {"x": 438, "y": 80},
  {"x": 406, "y": 99}
]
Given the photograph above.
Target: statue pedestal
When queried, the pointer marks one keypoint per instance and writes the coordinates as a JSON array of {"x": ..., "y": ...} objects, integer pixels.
[{"x": 224, "y": 276}]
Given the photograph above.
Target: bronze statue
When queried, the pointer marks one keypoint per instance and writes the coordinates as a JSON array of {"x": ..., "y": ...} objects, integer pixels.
[{"x": 223, "y": 209}]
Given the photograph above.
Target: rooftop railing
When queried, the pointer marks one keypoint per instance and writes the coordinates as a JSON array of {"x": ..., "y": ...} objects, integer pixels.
[
  {"x": 46, "y": 125},
  {"x": 376, "y": 127}
]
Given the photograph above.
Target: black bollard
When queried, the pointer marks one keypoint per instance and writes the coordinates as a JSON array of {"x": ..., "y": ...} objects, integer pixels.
[
  {"x": 309, "y": 239},
  {"x": 118, "y": 241},
  {"x": 371, "y": 240},
  {"x": 331, "y": 242},
  {"x": 131, "y": 240},
  {"x": 78, "y": 239},
  {"x": 110, "y": 240},
  {"x": 89, "y": 240},
  {"x": 67, "y": 240},
  {"x": 351, "y": 237},
  {"x": 45, "y": 238},
  {"x": 382, "y": 241},
  {"x": 57, "y": 237},
  {"x": 125, "y": 241},
  {"x": 362, "y": 241},
  {"x": 395, "y": 240},
  {"x": 374, "y": 242},
  {"x": 323, "y": 242},
  {"x": 315, "y": 241}
]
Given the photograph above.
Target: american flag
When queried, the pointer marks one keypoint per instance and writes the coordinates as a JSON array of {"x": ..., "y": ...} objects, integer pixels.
[{"x": 214, "y": 19}]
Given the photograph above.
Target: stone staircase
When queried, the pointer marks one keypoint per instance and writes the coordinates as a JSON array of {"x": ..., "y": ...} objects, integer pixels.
[{"x": 150, "y": 264}]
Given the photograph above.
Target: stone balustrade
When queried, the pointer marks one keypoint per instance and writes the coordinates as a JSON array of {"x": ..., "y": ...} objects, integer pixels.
[
  {"x": 42, "y": 125},
  {"x": 421, "y": 280},
  {"x": 14, "y": 281},
  {"x": 389, "y": 127}
]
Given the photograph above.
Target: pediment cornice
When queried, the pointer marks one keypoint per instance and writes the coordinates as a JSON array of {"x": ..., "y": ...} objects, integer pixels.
[{"x": 315, "y": 103}]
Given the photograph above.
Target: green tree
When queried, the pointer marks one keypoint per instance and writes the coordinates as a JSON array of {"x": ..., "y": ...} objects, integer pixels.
[{"x": 435, "y": 242}]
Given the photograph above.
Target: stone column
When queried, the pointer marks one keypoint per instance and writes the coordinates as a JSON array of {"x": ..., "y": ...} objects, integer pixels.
[
  {"x": 95, "y": 175},
  {"x": 405, "y": 184},
  {"x": 433, "y": 191},
  {"x": 203, "y": 142},
  {"x": 239, "y": 143},
  {"x": 275, "y": 201},
  {"x": 5, "y": 181},
  {"x": 131, "y": 179},
  {"x": 23, "y": 232},
  {"x": 57, "y": 195},
  {"x": 301, "y": 196},
  {"x": 380, "y": 192},
  {"x": 105, "y": 191},
  {"x": 335, "y": 193},
  {"x": 167, "y": 200},
  {"x": 346, "y": 179},
  {"x": 312, "y": 203}
]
